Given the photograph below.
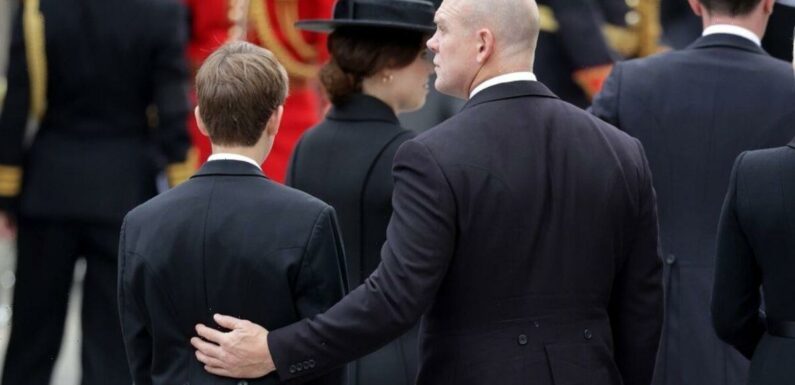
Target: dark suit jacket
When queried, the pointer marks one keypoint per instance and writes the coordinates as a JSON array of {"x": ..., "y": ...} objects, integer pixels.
[
  {"x": 95, "y": 156},
  {"x": 525, "y": 231},
  {"x": 227, "y": 241},
  {"x": 346, "y": 161},
  {"x": 756, "y": 247},
  {"x": 694, "y": 111}
]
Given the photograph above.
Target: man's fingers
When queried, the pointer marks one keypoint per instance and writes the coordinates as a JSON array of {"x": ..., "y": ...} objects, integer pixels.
[
  {"x": 228, "y": 322},
  {"x": 206, "y": 348},
  {"x": 210, "y": 334},
  {"x": 209, "y": 361}
]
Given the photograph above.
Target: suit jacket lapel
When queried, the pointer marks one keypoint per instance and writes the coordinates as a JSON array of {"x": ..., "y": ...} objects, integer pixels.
[{"x": 510, "y": 90}]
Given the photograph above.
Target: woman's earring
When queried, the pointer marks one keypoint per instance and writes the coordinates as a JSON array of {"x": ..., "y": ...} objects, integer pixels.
[{"x": 386, "y": 78}]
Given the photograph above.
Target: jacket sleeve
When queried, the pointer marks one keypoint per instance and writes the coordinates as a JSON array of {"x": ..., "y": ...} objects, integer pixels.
[
  {"x": 13, "y": 119},
  {"x": 736, "y": 293},
  {"x": 414, "y": 260},
  {"x": 170, "y": 97},
  {"x": 606, "y": 103},
  {"x": 636, "y": 303},
  {"x": 134, "y": 318},
  {"x": 580, "y": 33}
]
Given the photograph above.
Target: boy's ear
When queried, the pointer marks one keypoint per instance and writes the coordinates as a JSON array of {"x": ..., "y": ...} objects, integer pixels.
[
  {"x": 200, "y": 122},
  {"x": 275, "y": 121}
]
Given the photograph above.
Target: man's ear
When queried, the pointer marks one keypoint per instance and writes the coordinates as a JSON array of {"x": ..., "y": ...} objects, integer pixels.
[
  {"x": 767, "y": 6},
  {"x": 275, "y": 121},
  {"x": 200, "y": 122},
  {"x": 485, "y": 45},
  {"x": 695, "y": 5}
]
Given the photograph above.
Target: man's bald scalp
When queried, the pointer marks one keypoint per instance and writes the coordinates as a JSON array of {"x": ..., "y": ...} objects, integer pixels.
[{"x": 515, "y": 23}]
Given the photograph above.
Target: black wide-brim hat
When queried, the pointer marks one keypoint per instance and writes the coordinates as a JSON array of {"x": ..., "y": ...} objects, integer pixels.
[{"x": 416, "y": 15}]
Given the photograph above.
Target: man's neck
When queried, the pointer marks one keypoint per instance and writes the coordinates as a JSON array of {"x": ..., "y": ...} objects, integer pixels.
[
  {"x": 487, "y": 74},
  {"x": 255, "y": 153},
  {"x": 748, "y": 22}
]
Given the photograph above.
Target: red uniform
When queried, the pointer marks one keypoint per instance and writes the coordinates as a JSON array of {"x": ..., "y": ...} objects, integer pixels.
[{"x": 268, "y": 23}]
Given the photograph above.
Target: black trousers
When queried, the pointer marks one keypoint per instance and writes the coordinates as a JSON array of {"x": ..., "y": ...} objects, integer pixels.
[{"x": 46, "y": 255}]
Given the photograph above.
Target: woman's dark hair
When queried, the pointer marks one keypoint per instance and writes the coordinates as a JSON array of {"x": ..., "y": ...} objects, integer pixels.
[{"x": 358, "y": 53}]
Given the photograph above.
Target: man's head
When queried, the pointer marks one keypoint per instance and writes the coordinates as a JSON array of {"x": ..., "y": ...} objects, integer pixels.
[
  {"x": 241, "y": 90},
  {"x": 476, "y": 40}
]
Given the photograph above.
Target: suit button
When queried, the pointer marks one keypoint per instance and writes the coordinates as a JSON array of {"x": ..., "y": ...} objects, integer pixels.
[
  {"x": 522, "y": 340},
  {"x": 587, "y": 334},
  {"x": 537, "y": 324},
  {"x": 292, "y": 369},
  {"x": 671, "y": 259},
  {"x": 311, "y": 364}
]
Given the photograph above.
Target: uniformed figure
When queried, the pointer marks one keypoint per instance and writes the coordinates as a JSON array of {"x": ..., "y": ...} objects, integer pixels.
[
  {"x": 268, "y": 23},
  {"x": 347, "y": 159},
  {"x": 106, "y": 82},
  {"x": 580, "y": 40}
]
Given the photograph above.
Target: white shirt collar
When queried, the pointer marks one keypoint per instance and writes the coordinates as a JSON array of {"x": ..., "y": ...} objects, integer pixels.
[
  {"x": 732, "y": 30},
  {"x": 506, "y": 78},
  {"x": 228, "y": 156}
]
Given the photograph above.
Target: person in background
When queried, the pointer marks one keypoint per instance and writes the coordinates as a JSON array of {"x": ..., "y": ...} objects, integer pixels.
[
  {"x": 778, "y": 36},
  {"x": 756, "y": 255},
  {"x": 378, "y": 69},
  {"x": 580, "y": 41},
  {"x": 269, "y": 24},
  {"x": 105, "y": 82},
  {"x": 228, "y": 235},
  {"x": 695, "y": 110}
]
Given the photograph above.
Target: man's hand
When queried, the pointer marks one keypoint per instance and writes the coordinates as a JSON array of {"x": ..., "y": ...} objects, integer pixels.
[
  {"x": 240, "y": 353},
  {"x": 8, "y": 229}
]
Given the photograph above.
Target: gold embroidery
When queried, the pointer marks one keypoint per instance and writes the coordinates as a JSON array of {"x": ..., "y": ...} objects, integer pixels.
[
  {"x": 640, "y": 38},
  {"x": 36, "y": 55},
  {"x": 180, "y": 172},
  {"x": 260, "y": 16},
  {"x": 288, "y": 15},
  {"x": 547, "y": 20},
  {"x": 10, "y": 181}
]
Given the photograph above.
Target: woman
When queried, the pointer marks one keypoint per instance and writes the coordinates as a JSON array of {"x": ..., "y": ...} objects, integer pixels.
[
  {"x": 756, "y": 253},
  {"x": 378, "y": 69}
]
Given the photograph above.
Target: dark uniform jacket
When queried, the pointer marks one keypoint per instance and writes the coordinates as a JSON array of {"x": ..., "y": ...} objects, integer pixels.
[
  {"x": 346, "y": 161},
  {"x": 227, "y": 241},
  {"x": 524, "y": 232},
  {"x": 95, "y": 156},
  {"x": 694, "y": 111},
  {"x": 756, "y": 247}
]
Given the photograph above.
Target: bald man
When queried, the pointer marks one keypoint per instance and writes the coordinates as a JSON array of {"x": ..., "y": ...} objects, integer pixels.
[{"x": 524, "y": 233}]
